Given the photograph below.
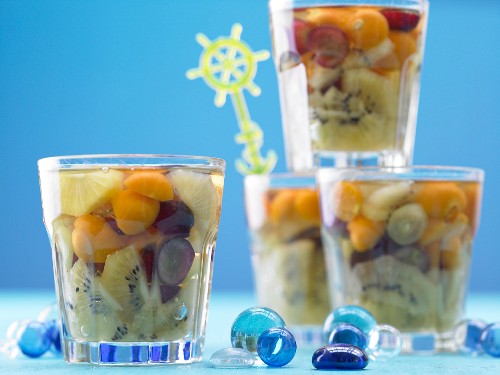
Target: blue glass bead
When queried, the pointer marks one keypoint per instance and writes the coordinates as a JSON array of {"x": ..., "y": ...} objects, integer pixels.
[
  {"x": 276, "y": 347},
  {"x": 33, "y": 340},
  {"x": 54, "y": 334},
  {"x": 51, "y": 317},
  {"x": 351, "y": 314},
  {"x": 385, "y": 342},
  {"x": 249, "y": 325},
  {"x": 490, "y": 339},
  {"x": 467, "y": 335},
  {"x": 344, "y": 333},
  {"x": 232, "y": 358},
  {"x": 340, "y": 357}
]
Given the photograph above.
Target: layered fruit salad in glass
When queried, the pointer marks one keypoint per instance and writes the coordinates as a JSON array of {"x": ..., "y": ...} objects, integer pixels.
[
  {"x": 287, "y": 253},
  {"x": 404, "y": 247},
  {"x": 358, "y": 66},
  {"x": 132, "y": 249}
]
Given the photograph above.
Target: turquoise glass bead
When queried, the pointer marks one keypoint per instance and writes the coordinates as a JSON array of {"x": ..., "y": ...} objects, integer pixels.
[
  {"x": 249, "y": 325},
  {"x": 351, "y": 314}
]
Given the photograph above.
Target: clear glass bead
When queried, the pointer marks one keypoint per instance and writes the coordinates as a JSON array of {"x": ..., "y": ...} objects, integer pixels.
[{"x": 385, "y": 342}]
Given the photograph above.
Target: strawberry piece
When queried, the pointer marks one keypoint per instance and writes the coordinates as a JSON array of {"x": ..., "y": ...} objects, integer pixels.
[
  {"x": 401, "y": 20},
  {"x": 330, "y": 45}
]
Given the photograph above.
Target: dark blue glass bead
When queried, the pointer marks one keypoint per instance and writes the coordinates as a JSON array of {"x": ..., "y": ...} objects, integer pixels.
[
  {"x": 344, "y": 333},
  {"x": 250, "y": 324},
  {"x": 50, "y": 316},
  {"x": 276, "y": 347},
  {"x": 54, "y": 334},
  {"x": 340, "y": 357},
  {"x": 33, "y": 339},
  {"x": 490, "y": 339}
]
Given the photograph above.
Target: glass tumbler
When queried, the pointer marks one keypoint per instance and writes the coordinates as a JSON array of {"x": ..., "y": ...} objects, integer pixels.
[
  {"x": 287, "y": 254},
  {"x": 349, "y": 79},
  {"x": 132, "y": 240},
  {"x": 398, "y": 241}
]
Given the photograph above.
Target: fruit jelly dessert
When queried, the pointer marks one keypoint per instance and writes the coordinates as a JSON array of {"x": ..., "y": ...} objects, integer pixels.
[
  {"x": 287, "y": 256},
  {"x": 406, "y": 248},
  {"x": 129, "y": 251},
  {"x": 358, "y": 61}
]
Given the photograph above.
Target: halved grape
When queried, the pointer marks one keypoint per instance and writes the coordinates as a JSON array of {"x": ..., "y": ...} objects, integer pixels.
[
  {"x": 148, "y": 257},
  {"x": 174, "y": 261},
  {"x": 330, "y": 45},
  {"x": 401, "y": 20},
  {"x": 300, "y": 31},
  {"x": 174, "y": 218},
  {"x": 168, "y": 292}
]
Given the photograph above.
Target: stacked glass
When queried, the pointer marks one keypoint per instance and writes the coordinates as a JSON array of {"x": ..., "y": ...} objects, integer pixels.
[{"x": 349, "y": 81}]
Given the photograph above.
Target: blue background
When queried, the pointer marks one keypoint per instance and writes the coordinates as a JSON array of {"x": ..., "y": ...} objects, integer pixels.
[{"x": 80, "y": 77}]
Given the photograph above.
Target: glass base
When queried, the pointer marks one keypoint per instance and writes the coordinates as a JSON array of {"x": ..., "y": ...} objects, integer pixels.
[
  {"x": 360, "y": 159},
  {"x": 307, "y": 335},
  {"x": 428, "y": 343},
  {"x": 132, "y": 353}
]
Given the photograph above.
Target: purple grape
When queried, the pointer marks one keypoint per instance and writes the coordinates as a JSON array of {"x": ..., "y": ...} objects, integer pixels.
[
  {"x": 330, "y": 45},
  {"x": 174, "y": 218},
  {"x": 168, "y": 292},
  {"x": 175, "y": 257}
]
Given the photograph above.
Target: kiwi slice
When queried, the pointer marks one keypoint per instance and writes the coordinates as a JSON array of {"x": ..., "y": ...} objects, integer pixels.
[
  {"x": 92, "y": 313},
  {"x": 124, "y": 275},
  {"x": 407, "y": 224},
  {"x": 198, "y": 192},
  {"x": 147, "y": 314},
  {"x": 165, "y": 321}
]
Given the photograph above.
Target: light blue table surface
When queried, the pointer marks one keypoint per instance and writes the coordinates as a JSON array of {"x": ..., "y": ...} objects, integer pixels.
[{"x": 223, "y": 309}]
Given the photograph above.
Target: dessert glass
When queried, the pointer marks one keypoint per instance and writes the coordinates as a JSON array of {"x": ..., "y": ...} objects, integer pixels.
[
  {"x": 287, "y": 254},
  {"x": 398, "y": 241},
  {"x": 349, "y": 79},
  {"x": 132, "y": 240}
]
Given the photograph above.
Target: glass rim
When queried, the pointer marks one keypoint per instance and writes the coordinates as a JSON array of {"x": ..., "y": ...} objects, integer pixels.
[
  {"x": 119, "y": 160},
  {"x": 408, "y": 171},
  {"x": 283, "y": 175},
  {"x": 290, "y": 4},
  {"x": 302, "y": 179}
]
